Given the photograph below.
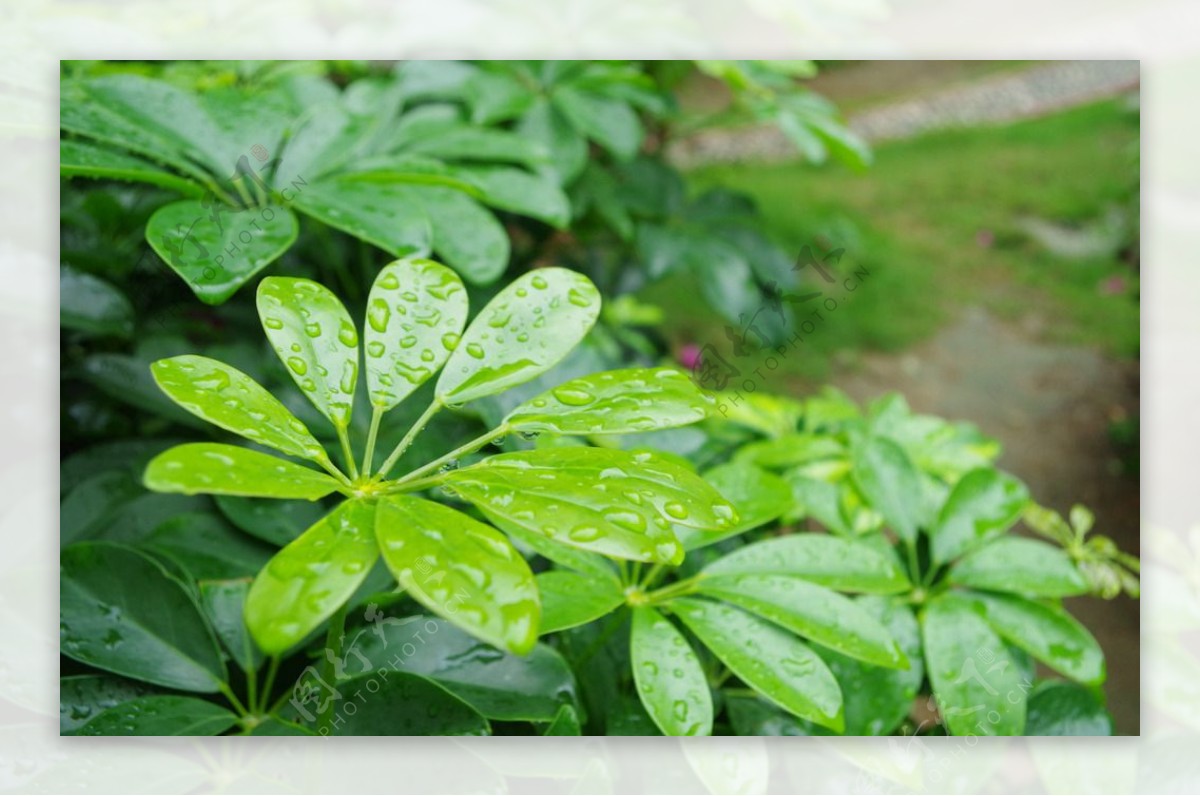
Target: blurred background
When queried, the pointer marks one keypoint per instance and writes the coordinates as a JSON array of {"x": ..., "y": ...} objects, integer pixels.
[{"x": 998, "y": 226}]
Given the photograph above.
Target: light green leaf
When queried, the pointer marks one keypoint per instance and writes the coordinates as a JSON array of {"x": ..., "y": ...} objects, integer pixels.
[
  {"x": 121, "y": 612},
  {"x": 1023, "y": 566},
  {"x": 670, "y": 680},
  {"x": 818, "y": 499},
  {"x": 812, "y": 611},
  {"x": 312, "y": 577},
  {"x": 1061, "y": 708},
  {"x": 415, "y": 316},
  {"x": 611, "y": 123},
  {"x": 983, "y": 504},
  {"x": 314, "y": 337},
  {"x": 83, "y": 159},
  {"x": 406, "y": 704},
  {"x": 466, "y": 236},
  {"x": 570, "y": 599},
  {"x": 614, "y": 402},
  {"x": 888, "y": 479},
  {"x": 499, "y": 685},
  {"x": 216, "y": 249},
  {"x": 83, "y": 697},
  {"x": 975, "y": 681},
  {"x": 519, "y": 192},
  {"x": 830, "y": 561},
  {"x": 89, "y": 304},
  {"x": 555, "y": 492},
  {"x": 461, "y": 569},
  {"x": 758, "y": 497},
  {"x": 522, "y": 332},
  {"x": 1047, "y": 633},
  {"x": 161, "y": 715},
  {"x": 228, "y": 398},
  {"x": 466, "y": 143},
  {"x": 383, "y": 214},
  {"x": 771, "y": 661},
  {"x": 214, "y": 469},
  {"x": 791, "y": 450},
  {"x": 224, "y": 603},
  {"x": 590, "y": 564}
]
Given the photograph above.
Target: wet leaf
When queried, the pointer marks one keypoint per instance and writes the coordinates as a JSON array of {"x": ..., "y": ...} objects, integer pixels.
[
  {"x": 228, "y": 398},
  {"x": 590, "y": 564},
  {"x": 758, "y": 497},
  {"x": 383, "y": 214},
  {"x": 273, "y": 521},
  {"x": 983, "y": 504},
  {"x": 415, "y": 316},
  {"x": 614, "y": 402},
  {"x": 522, "y": 332},
  {"x": 1047, "y": 633},
  {"x": 83, "y": 159},
  {"x": 819, "y": 614},
  {"x": 90, "y": 304},
  {"x": 216, "y": 249},
  {"x": 669, "y": 678},
  {"x": 570, "y": 599},
  {"x": 975, "y": 681},
  {"x": 214, "y": 469},
  {"x": 121, "y": 612},
  {"x": 224, "y": 602},
  {"x": 608, "y": 501},
  {"x": 312, "y": 577},
  {"x": 406, "y": 704},
  {"x": 771, "y": 661},
  {"x": 889, "y": 481},
  {"x": 461, "y": 569},
  {"x": 1019, "y": 565},
  {"x": 466, "y": 236},
  {"x": 83, "y": 697},
  {"x": 161, "y": 715},
  {"x": 1062, "y": 708},
  {"x": 842, "y": 564},
  {"x": 315, "y": 339}
]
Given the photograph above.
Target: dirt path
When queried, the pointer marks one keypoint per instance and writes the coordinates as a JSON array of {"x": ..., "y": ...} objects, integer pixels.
[{"x": 1050, "y": 406}]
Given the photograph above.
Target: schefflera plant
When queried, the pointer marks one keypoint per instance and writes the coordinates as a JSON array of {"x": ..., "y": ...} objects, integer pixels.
[{"x": 616, "y": 503}]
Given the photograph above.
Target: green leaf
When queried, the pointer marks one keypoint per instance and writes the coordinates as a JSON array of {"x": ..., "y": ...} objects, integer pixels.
[
  {"x": 465, "y": 235},
  {"x": 519, "y": 192},
  {"x": 758, "y": 497},
  {"x": 228, "y": 398},
  {"x": 817, "y": 613},
  {"x": 161, "y": 715},
  {"x": 224, "y": 602},
  {"x": 614, "y": 402},
  {"x": 499, "y": 685},
  {"x": 83, "y": 159},
  {"x": 406, "y": 704},
  {"x": 983, "y": 504},
  {"x": 127, "y": 379},
  {"x": 89, "y": 304},
  {"x": 771, "y": 661},
  {"x": 466, "y": 143},
  {"x": 1062, "y": 708},
  {"x": 92, "y": 505},
  {"x": 590, "y": 564},
  {"x": 383, "y": 214},
  {"x": 830, "y": 561},
  {"x": 546, "y": 124},
  {"x": 461, "y": 569},
  {"x": 976, "y": 682},
  {"x": 206, "y": 547},
  {"x": 522, "y": 332},
  {"x": 121, "y": 612},
  {"x": 1024, "y": 566},
  {"x": 751, "y": 715},
  {"x": 566, "y": 722},
  {"x": 611, "y": 123},
  {"x": 670, "y": 680},
  {"x": 216, "y": 249},
  {"x": 1047, "y": 633},
  {"x": 890, "y": 482},
  {"x": 570, "y": 599},
  {"x": 273, "y": 521},
  {"x": 819, "y": 499},
  {"x": 554, "y": 492},
  {"x": 415, "y": 316},
  {"x": 83, "y": 697},
  {"x": 273, "y": 726},
  {"x": 791, "y": 450},
  {"x": 312, "y": 577},
  {"x": 215, "y": 469},
  {"x": 314, "y": 337}
]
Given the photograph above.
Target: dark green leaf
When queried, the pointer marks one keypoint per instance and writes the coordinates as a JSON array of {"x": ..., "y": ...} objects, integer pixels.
[
  {"x": 82, "y": 159},
  {"x": 82, "y": 697},
  {"x": 383, "y": 214},
  {"x": 519, "y": 192},
  {"x": 566, "y": 722},
  {"x": 274, "y": 521},
  {"x": 121, "y": 612},
  {"x": 570, "y": 599},
  {"x": 89, "y": 304},
  {"x": 405, "y": 704},
  {"x": 1061, "y": 708},
  {"x": 224, "y": 602},
  {"x": 207, "y": 547},
  {"x": 546, "y": 124},
  {"x": 161, "y": 715},
  {"x": 670, "y": 680},
  {"x": 889, "y": 481},
  {"x": 1020, "y": 565},
  {"x": 842, "y": 564},
  {"x": 611, "y": 123},
  {"x": 983, "y": 504},
  {"x": 215, "y": 469}
]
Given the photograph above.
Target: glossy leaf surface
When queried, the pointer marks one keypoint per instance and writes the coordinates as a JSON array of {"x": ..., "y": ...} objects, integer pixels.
[
  {"x": 228, "y": 398},
  {"x": 889, "y": 480},
  {"x": 670, "y": 681},
  {"x": 312, "y": 577},
  {"x": 1024, "y": 566},
  {"x": 315, "y": 339},
  {"x": 983, "y": 504},
  {"x": 90, "y": 304},
  {"x": 524, "y": 331},
  {"x": 758, "y": 497},
  {"x": 382, "y": 214},
  {"x": 224, "y": 602},
  {"x": 407, "y": 704},
  {"x": 211, "y": 468},
  {"x": 161, "y": 715},
  {"x": 771, "y": 661},
  {"x": 1047, "y": 633},
  {"x": 570, "y": 599},
  {"x": 830, "y": 561},
  {"x": 461, "y": 569},
  {"x": 415, "y": 316},
  {"x": 83, "y": 697},
  {"x": 1061, "y": 708}
]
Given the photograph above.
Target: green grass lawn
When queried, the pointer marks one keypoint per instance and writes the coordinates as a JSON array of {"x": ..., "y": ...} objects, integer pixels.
[{"x": 937, "y": 223}]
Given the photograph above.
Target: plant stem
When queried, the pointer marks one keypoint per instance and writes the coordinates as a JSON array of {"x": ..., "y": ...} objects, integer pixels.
[
  {"x": 913, "y": 566},
  {"x": 676, "y": 589},
  {"x": 369, "y": 454},
  {"x": 422, "y": 421},
  {"x": 344, "y": 438},
  {"x": 252, "y": 688},
  {"x": 614, "y": 623},
  {"x": 333, "y": 470},
  {"x": 652, "y": 575},
  {"x": 272, "y": 669},
  {"x": 333, "y": 650},
  {"x": 232, "y": 697},
  {"x": 462, "y": 450}
]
